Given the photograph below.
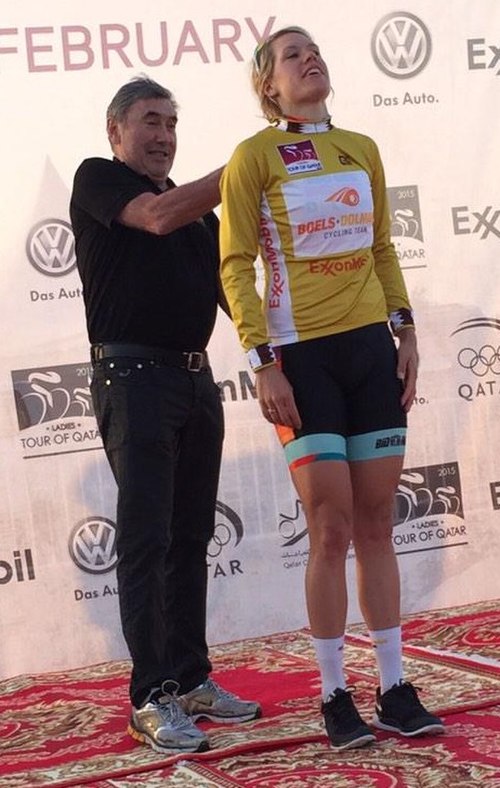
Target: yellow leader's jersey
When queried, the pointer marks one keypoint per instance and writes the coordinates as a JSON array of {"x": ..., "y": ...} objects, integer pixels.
[{"x": 314, "y": 205}]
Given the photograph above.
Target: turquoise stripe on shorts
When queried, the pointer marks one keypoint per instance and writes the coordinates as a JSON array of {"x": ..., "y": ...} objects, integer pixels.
[
  {"x": 372, "y": 445},
  {"x": 320, "y": 446}
]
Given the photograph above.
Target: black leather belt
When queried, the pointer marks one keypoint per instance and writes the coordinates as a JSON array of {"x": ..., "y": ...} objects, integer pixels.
[{"x": 193, "y": 361}]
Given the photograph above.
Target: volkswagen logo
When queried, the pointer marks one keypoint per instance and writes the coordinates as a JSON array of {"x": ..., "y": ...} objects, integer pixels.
[
  {"x": 51, "y": 247},
  {"x": 401, "y": 45},
  {"x": 92, "y": 545}
]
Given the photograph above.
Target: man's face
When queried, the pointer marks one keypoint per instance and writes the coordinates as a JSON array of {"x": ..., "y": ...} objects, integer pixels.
[{"x": 146, "y": 139}]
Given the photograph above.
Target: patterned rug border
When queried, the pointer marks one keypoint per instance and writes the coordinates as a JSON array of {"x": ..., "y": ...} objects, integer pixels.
[
  {"x": 173, "y": 760},
  {"x": 277, "y": 643}
]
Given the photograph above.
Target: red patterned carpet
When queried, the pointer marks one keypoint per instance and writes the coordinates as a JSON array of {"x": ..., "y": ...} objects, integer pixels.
[{"x": 61, "y": 730}]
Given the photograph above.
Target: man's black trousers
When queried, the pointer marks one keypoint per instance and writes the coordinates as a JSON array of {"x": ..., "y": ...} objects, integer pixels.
[{"x": 162, "y": 430}]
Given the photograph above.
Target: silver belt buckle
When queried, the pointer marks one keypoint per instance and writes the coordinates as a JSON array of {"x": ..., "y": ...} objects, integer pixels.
[{"x": 195, "y": 361}]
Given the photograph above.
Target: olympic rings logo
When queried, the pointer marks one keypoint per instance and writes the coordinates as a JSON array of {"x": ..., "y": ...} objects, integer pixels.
[
  {"x": 482, "y": 361},
  {"x": 231, "y": 527}
]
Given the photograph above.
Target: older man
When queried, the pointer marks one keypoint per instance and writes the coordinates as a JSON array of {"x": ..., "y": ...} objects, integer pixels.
[{"x": 148, "y": 259}]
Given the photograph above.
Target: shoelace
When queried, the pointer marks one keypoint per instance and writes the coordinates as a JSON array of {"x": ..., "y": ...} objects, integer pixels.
[
  {"x": 341, "y": 693},
  {"x": 168, "y": 705},
  {"x": 411, "y": 691},
  {"x": 344, "y": 707},
  {"x": 171, "y": 712},
  {"x": 219, "y": 691}
]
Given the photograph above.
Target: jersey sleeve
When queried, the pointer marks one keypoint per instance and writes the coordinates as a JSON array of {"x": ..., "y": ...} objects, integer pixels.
[
  {"x": 241, "y": 188},
  {"x": 102, "y": 189},
  {"x": 387, "y": 265}
]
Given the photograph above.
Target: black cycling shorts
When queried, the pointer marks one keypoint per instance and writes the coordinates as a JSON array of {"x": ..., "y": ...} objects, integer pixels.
[{"x": 348, "y": 396}]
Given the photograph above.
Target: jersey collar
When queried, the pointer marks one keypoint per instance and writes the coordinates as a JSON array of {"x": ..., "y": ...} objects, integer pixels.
[{"x": 303, "y": 127}]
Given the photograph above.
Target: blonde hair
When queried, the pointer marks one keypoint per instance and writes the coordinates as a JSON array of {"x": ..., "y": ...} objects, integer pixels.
[{"x": 263, "y": 67}]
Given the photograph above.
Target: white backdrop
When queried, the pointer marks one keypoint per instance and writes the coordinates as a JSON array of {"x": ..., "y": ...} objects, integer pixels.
[{"x": 423, "y": 79}]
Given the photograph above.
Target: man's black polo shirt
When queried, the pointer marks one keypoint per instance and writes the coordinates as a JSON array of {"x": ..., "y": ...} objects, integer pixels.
[{"x": 139, "y": 287}]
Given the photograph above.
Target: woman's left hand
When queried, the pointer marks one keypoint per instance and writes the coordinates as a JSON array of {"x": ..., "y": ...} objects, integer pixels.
[{"x": 408, "y": 366}]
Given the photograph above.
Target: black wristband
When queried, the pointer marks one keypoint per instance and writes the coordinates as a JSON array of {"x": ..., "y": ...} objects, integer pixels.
[
  {"x": 261, "y": 356},
  {"x": 401, "y": 318}
]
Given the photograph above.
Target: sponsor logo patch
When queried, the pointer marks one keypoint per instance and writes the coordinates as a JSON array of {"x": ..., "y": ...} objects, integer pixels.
[{"x": 299, "y": 157}]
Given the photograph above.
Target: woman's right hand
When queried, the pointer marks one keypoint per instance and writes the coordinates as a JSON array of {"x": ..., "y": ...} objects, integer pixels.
[{"x": 276, "y": 398}]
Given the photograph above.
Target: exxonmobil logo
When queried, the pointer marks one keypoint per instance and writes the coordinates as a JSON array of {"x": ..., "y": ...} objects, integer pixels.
[{"x": 17, "y": 567}]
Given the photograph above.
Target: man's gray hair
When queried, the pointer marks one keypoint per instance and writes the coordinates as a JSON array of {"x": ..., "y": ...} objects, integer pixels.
[{"x": 137, "y": 88}]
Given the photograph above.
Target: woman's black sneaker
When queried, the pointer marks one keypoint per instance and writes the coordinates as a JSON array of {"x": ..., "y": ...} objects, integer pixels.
[
  {"x": 343, "y": 723},
  {"x": 400, "y": 710}
]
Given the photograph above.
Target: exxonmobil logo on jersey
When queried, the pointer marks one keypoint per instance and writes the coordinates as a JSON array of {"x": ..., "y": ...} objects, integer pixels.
[
  {"x": 269, "y": 245},
  {"x": 334, "y": 267}
]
